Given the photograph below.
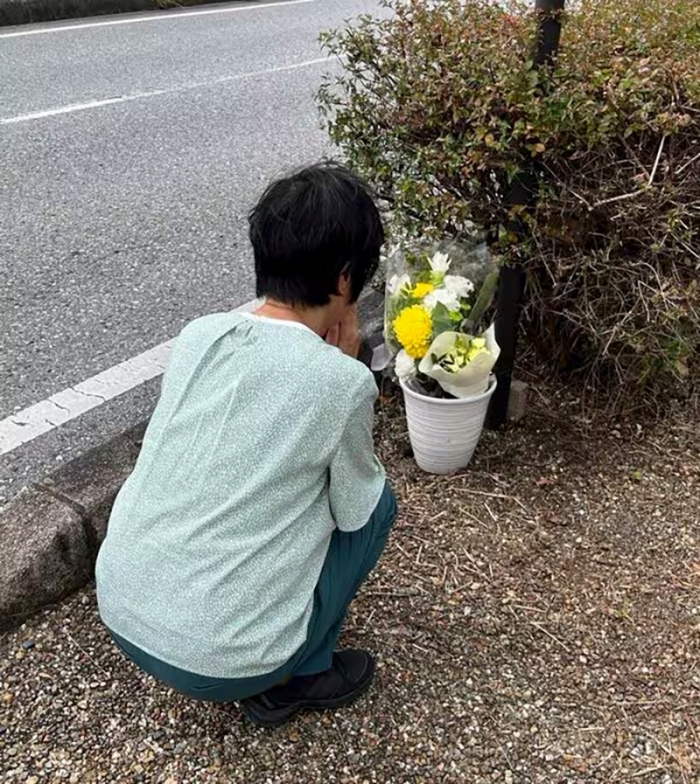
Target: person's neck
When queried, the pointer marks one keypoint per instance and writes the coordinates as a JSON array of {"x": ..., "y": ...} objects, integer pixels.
[{"x": 313, "y": 318}]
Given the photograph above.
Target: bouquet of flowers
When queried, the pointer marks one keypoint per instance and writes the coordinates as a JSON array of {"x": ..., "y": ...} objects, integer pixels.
[{"x": 435, "y": 303}]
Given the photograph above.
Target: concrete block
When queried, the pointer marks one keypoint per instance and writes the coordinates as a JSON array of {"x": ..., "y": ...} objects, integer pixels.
[
  {"x": 90, "y": 483},
  {"x": 44, "y": 554},
  {"x": 517, "y": 401}
]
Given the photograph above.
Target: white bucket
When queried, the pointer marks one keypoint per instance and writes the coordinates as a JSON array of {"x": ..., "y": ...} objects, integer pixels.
[{"x": 444, "y": 433}]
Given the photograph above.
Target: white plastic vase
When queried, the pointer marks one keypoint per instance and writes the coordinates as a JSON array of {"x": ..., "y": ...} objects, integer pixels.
[{"x": 444, "y": 433}]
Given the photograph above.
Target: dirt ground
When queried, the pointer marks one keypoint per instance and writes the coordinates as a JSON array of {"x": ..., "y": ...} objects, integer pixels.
[{"x": 536, "y": 619}]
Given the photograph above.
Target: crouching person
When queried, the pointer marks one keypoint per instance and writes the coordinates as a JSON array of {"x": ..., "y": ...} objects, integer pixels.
[{"x": 257, "y": 507}]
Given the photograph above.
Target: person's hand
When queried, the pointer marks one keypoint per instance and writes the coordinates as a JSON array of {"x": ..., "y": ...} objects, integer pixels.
[
  {"x": 346, "y": 334},
  {"x": 333, "y": 335},
  {"x": 349, "y": 339}
]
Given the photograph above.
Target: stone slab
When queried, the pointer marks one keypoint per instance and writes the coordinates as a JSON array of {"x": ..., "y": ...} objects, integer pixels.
[
  {"x": 90, "y": 483},
  {"x": 517, "y": 401},
  {"x": 44, "y": 554}
]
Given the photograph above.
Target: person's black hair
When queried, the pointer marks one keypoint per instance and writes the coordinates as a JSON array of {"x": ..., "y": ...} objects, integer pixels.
[{"x": 310, "y": 228}]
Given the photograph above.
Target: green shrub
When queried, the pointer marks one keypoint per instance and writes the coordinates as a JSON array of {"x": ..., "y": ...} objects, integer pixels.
[{"x": 440, "y": 106}]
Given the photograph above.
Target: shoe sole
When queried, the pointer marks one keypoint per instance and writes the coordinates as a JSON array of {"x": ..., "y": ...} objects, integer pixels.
[{"x": 275, "y": 718}]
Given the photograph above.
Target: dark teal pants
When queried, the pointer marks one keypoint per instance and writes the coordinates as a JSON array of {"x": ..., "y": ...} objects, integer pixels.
[{"x": 351, "y": 557}]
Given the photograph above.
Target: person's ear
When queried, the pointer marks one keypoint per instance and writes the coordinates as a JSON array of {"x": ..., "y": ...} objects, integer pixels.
[{"x": 344, "y": 286}]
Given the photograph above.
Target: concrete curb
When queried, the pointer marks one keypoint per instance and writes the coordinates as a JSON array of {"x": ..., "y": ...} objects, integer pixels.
[
  {"x": 18, "y": 12},
  {"x": 51, "y": 531}
]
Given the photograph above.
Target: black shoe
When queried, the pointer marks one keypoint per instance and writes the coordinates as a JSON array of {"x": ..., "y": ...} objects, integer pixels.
[{"x": 348, "y": 677}]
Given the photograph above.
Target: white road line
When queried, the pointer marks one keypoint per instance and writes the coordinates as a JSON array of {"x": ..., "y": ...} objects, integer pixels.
[
  {"x": 42, "y": 417},
  {"x": 38, "y": 419},
  {"x": 96, "y": 104},
  {"x": 75, "y": 107},
  {"x": 159, "y": 17}
]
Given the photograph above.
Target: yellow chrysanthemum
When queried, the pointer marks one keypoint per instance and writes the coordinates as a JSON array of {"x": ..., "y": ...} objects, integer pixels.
[
  {"x": 414, "y": 330},
  {"x": 421, "y": 289}
]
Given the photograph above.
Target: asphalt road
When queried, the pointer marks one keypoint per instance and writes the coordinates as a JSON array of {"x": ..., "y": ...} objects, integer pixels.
[{"x": 121, "y": 221}]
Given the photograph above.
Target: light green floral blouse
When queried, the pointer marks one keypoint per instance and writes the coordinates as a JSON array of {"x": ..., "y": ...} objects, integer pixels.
[{"x": 260, "y": 446}]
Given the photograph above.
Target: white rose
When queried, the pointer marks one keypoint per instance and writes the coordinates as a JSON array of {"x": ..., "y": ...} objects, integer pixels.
[
  {"x": 440, "y": 262},
  {"x": 459, "y": 286},
  {"x": 405, "y": 365},
  {"x": 396, "y": 283},
  {"x": 447, "y": 298}
]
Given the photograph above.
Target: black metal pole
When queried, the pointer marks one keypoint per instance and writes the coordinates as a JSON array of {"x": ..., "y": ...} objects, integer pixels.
[
  {"x": 511, "y": 284},
  {"x": 549, "y": 32}
]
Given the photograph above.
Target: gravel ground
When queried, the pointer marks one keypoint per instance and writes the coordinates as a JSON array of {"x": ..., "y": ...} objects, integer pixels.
[{"x": 536, "y": 619}]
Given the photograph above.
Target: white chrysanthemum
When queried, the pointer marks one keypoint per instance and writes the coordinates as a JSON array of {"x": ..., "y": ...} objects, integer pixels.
[
  {"x": 396, "y": 283},
  {"x": 456, "y": 284},
  {"x": 440, "y": 262},
  {"x": 405, "y": 365},
  {"x": 447, "y": 298}
]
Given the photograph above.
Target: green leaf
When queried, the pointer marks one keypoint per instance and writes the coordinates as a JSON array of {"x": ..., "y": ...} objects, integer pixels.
[
  {"x": 442, "y": 320},
  {"x": 484, "y": 300}
]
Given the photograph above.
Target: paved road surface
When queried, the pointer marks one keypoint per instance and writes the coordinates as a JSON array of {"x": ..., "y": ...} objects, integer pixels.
[{"x": 129, "y": 156}]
